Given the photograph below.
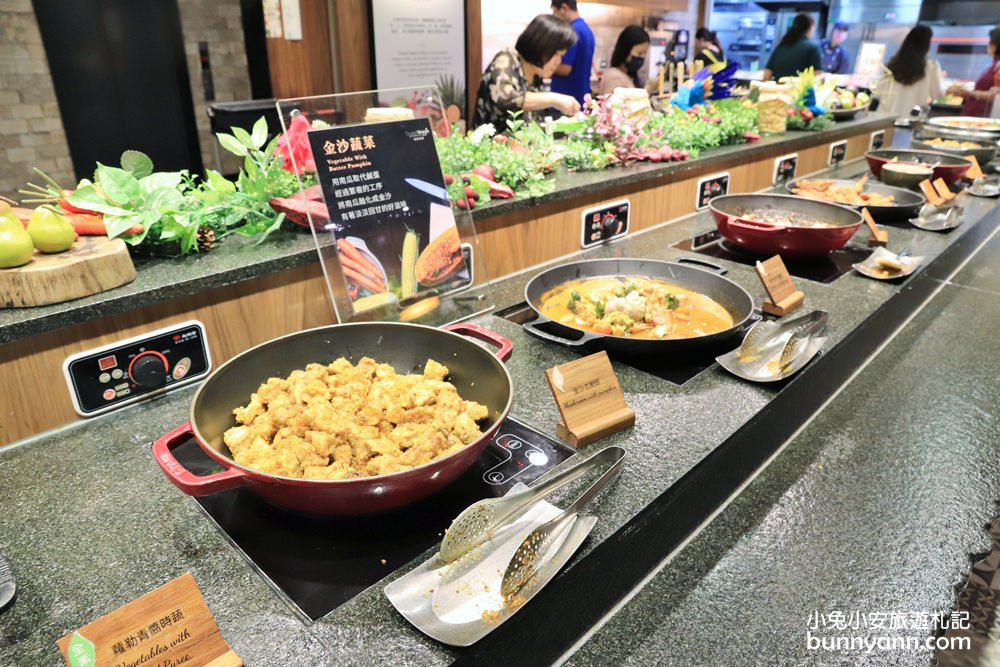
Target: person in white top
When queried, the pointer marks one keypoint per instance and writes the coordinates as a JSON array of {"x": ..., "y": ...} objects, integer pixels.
[
  {"x": 913, "y": 78},
  {"x": 626, "y": 61}
]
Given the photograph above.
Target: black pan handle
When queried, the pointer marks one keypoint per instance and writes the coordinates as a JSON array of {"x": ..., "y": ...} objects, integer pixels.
[
  {"x": 704, "y": 264},
  {"x": 532, "y": 328}
]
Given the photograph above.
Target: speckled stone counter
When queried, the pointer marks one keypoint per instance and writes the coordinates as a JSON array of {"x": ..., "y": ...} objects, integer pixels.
[
  {"x": 875, "y": 507},
  {"x": 89, "y": 522},
  {"x": 237, "y": 259}
]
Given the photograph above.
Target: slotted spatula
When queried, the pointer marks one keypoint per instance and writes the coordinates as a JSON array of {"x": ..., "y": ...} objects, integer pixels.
[
  {"x": 530, "y": 554},
  {"x": 481, "y": 520}
]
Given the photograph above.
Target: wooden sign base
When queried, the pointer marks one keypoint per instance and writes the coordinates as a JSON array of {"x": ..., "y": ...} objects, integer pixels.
[
  {"x": 785, "y": 306},
  {"x": 782, "y": 295},
  {"x": 594, "y": 431},
  {"x": 589, "y": 399},
  {"x": 879, "y": 237}
]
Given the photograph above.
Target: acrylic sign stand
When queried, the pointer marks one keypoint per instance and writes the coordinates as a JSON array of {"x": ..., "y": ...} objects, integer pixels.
[{"x": 368, "y": 284}]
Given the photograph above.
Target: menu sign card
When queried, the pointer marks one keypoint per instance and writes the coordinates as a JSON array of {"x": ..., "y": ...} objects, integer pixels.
[
  {"x": 975, "y": 171},
  {"x": 932, "y": 196},
  {"x": 589, "y": 399},
  {"x": 169, "y": 627},
  {"x": 389, "y": 212},
  {"x": 784, "y": 296}
]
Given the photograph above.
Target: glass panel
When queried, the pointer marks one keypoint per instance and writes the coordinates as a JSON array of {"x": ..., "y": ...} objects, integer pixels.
[{"x": 391, "y": 245}]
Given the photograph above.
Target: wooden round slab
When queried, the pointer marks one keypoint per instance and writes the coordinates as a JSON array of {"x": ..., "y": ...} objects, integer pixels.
[{"x": 92, "y": 265}]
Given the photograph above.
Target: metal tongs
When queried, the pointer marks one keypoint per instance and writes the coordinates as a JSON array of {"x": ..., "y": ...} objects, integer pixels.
[
  {"x": 529, "y": 556},
  {"x": 772, "y": 351},
  {"x": 481, "y": 520}
]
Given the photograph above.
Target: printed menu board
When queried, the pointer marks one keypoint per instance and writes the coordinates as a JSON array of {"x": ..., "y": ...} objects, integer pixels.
[{"x": 389, "y": 212}]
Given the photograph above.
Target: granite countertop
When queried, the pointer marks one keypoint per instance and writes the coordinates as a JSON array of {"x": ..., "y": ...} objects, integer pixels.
[
  {"x": 236, "y": 259},
  {"x": 109, "y": 527},
  {"x": 878, "y": 506}
]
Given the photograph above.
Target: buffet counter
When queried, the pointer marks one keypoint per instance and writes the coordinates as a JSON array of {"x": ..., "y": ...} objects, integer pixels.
[
  {"x": 107, "y": 526},
  {"x": 229, "y": 288}
]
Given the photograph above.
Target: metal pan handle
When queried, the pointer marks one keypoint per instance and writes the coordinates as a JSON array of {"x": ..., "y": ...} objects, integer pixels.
[
  {"x": 181, "y": 477},
  {"x": 505, "y": 347},
  {"x": 704, "y": 264},
  {"x": 532, "y": 328}
]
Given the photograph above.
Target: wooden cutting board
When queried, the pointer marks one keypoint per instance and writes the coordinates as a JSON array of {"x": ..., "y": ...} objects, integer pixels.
[{"x": 94, "y": 264}]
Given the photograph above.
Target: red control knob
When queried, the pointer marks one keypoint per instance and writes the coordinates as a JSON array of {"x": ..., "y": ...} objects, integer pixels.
[{"x": 148, "y": 369}]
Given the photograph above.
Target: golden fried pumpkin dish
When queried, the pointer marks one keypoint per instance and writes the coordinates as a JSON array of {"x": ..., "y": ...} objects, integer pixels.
[{"x": 344, "y": 421}]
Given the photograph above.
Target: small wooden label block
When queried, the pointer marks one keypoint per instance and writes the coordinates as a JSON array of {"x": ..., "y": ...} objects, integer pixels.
[
  {"x": 784, "y": 296},
  {"x": 169, "y": 626},
  {"x": 879, "y": 237},
  {"x": 930, "y": 192},
  {"x": 589, "y": 399},
  {"x": 975, "y": 171},
  {"x": 943, "y": 191}
]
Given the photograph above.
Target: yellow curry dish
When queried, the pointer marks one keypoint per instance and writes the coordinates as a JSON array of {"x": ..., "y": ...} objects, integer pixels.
[
  {"x": 343, "y": 421},
  {"x": 634, "y": 307}
]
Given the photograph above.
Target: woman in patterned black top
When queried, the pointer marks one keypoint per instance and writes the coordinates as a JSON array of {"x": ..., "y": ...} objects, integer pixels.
[{"x": 513, "y": 80}]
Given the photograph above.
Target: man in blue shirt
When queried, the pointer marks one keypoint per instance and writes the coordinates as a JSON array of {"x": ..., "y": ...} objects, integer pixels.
[
  {"x": 572, "y": 77},
  {"x": 835, "y": 58}
]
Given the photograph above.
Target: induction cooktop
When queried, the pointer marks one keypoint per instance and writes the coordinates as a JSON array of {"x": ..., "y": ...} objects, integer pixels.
[{"x": 318, "y": 563}]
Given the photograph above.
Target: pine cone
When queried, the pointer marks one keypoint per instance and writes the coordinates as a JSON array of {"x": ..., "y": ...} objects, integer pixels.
[{"x": 206, "y": 239}]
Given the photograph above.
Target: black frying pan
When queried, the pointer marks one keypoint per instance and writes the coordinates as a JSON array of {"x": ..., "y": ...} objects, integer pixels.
[
  {"x": 709, "y": 282},
  {"x": 906, "y": 203}
]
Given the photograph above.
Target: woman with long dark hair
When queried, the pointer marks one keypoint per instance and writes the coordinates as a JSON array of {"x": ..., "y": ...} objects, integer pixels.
[
  {"x": 707, "y": 42},
  {"x": 795, "y": 52},
  {"x": 626, "y": 61},
  {"x": 979, "y": 100},
  {"x": 914, "y": 79}
]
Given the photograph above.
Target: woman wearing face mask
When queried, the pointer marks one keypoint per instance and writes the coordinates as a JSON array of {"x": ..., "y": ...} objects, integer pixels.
[
  {"x": 513, "y": 80},
  {"x": 626, "y": 61}
]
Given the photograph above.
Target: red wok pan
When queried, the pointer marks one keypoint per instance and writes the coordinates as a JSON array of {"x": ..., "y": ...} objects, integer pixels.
[
  {"x": 771, "y": 238},
  {"x": 477, "y": 373}
]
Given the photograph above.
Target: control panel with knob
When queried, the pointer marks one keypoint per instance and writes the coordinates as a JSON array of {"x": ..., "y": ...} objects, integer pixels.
[{"x": 131, "y": 370}]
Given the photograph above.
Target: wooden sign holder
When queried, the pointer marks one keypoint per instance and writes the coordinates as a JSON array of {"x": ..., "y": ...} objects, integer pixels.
[
  {"x": 879, "y": 237},
  {"x": 589, "y": 399},
  {"x": 932, "y": 196},
  {"x": 172, "y": 623},
  {"x": 943, "y": 191},
  {"x": 975, "y": 171},
  {"x": 784, "y": 297}
]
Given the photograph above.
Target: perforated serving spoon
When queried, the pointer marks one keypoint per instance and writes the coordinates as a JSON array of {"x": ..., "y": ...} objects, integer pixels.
[
  {"x": 528, "y": 557},
  {"x": 479, "y": 521}
]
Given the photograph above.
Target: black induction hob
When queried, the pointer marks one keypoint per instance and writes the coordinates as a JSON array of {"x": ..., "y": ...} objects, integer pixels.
[
  {"x": 824, "y": 269},
  {"x": 318, "y": 563},
  {"x": 673, "y": 369}
]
